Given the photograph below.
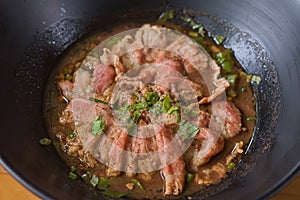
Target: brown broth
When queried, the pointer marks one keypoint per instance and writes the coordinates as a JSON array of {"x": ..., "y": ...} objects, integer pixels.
[{"x": 54, "y": 105}]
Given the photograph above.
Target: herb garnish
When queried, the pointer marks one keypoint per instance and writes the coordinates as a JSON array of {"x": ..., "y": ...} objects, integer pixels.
[
  {"x": 98, "y": 126},
  {"x": 45, "y": 141},
  {"x": 97, "y": 100},
  {"x": 187, "y": 130}
]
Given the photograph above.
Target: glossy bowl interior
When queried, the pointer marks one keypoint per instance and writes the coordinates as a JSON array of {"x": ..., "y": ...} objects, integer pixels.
[{"x": 263, "y": 34}]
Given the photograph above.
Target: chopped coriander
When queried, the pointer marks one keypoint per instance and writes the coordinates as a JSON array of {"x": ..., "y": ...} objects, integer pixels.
[
  {"x": 97, "y": 100},
  {"x": 94, "y": 180},
  {"x": 187, "y": 130},
  {"x": 72, "y": 175},
  {"x": 138, "y": 183},
  {"x": 45, "y": 141},
  {"x": 71, "y": 134},
  {"x": 189, "y": 177},
  {"x": 98, "y": 126},
  {"x": 152, "y": 97},
  {"x": 219, "y": 39},
  {"x": 165, "y": 16},
  {"x": 231, "y": 165},
  {"x": 251, "y": 118}
]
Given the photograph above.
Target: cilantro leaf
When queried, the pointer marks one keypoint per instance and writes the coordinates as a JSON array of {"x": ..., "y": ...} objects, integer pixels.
[
  {"x": 98, "y": 126},
  {"x": 187, "y": 130}
]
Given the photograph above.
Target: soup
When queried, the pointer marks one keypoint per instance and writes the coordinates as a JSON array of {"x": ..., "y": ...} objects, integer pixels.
[{"x": 150, "y": 111}]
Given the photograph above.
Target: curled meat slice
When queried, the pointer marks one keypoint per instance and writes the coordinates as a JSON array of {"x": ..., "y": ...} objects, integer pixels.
[
  {"x": 173, "y": 171},
  {"x": 206, "y": 144},
  {"x": 66, "y": 88},
  {"x": 171, "y": 62},
  {"x": 174, "y": 175},
  {"x": 229, "y": 114},
  {"x": 103, "y": 77},
  {"x": 116, "y": 154}
]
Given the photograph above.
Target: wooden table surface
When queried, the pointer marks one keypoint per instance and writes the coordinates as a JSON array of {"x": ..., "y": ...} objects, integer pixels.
[{"x": 10, "y": 189}]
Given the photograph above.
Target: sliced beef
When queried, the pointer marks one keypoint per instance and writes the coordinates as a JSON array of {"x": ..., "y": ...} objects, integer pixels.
[
  {"x": 173, "y": 165},
  {"x": 103, "y": 77},
  {"x": 206, "y": 144},
  {"x": 226, "y": 118}
]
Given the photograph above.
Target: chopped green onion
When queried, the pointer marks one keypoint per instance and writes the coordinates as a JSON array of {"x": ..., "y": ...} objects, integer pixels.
[
  {"x": 45, "y": 141},
  {"x": 251, "y": 118},
  {"x": 199, "y": 39},
  {"x": 227, "y": 66},
  {"x": 71, "y": 134},
  {"x": 72, "y": 175},
  {"x": 103, "y": 183},
  {"x": 173, "y": 109},
  {"x": 138, "y": 183},
  {"x": 136, "y": 116},
  {"x": 85, "y": 177},
  {"x": 166, "y": 103},
  {"x": 193, "y": 34},
  {"x": 243, "y": 73},
  {"x": 97, "y": 100},
  {"x": 256, "y": 79},
  {"x": 112, "y": 41},
  {"x": 186, "y": 19},
  {"x": 66, "y": 71},
  {"x": 115, "y": 194},
  {"x": 231, "y": 165},
  {"x": 94, "y": 180},
  {"x": 195, "y": 25},
  {"x": 219, "y": 39},
  {"x": 69, "y": 77},
  {"x": 137, "y": 106},
  {"x": 189, "y": 177},
  {"x": 253, "y": 78},
  {"x": 165, "y": 16},
  {"x": 243, "y": 89},
  {"x": 73, "y": 168},
  {"x": 201, "y": 31},
  {"x": 98, "y": 126},
  {"x": 232, "y": 79},
  {"x": 232, "y": 93}
]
